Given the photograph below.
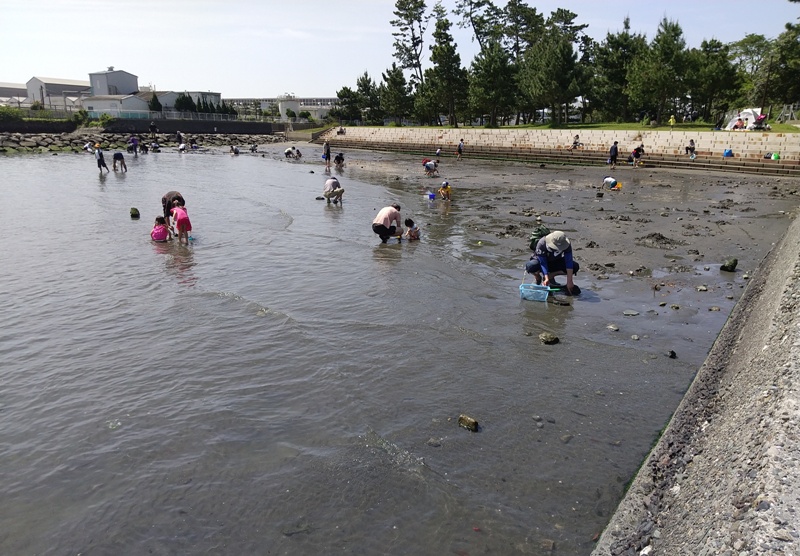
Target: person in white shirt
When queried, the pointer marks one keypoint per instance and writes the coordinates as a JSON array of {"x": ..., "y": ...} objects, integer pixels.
[{"x": 333, "y": 191}]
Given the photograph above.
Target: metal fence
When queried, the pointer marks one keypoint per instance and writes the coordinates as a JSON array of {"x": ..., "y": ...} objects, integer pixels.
[{"x": 164, "y": 115}]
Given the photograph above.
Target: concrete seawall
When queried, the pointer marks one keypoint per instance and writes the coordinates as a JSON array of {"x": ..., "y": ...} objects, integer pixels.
[
  {"x": 551, "y": 146},
  {"x": 749, "y": 144}
]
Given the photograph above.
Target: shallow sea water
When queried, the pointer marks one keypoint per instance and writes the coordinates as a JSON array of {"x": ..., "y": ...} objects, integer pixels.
[{"x": 288, "y": 385}]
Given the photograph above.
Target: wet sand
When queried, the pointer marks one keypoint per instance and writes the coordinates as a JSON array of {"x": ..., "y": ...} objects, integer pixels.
[
  {"x": 653, "y": 243},
  {"x": 657, "y": 246}
]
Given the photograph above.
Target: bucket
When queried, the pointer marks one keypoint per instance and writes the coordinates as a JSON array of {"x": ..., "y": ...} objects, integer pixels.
[
  {"x": 432, "y": 196},
  {"x": 532, "y": 292}
]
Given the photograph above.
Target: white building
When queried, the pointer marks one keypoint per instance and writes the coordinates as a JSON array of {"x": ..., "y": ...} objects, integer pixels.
[
  {"x": 13, "y": 94},
  {"x": 113, "y": 82},
  {"x": 165, "y": 98},
  {"x": 54, "y": 92},
  {"x": 208, "y": 96},
  {"x": 118, "y": 106}
]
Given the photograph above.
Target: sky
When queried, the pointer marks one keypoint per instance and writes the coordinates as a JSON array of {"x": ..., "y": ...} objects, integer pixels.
[{"x": 309, "y": 48}]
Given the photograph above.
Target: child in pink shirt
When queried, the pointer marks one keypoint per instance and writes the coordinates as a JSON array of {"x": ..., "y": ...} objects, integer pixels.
[
  {"x": 182, "y": 222},
  {"x": 160, "y": 231}
]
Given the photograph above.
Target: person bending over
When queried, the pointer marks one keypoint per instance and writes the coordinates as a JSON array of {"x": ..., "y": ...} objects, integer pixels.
[
  {"x": 553, "y": 257},
  {"x": 384, "y": 223},
  {"x": 412, "y": 230},
  {"x": 333, "y": 191}
]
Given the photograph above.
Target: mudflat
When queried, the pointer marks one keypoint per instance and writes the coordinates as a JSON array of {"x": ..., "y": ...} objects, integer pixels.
[
  {"x": 651, "y": 255},
  {"x": 654, "y": 246}
]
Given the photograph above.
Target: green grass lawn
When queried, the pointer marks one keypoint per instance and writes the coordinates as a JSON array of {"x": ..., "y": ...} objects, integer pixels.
[{"x": 776, "y": 128}]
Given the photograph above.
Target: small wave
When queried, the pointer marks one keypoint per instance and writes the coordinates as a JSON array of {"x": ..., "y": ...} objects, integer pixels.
[{"x": 400, "y": 457}]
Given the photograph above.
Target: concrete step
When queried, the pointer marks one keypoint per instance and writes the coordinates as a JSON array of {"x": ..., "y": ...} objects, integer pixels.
[{"x": 664, "y": 149}]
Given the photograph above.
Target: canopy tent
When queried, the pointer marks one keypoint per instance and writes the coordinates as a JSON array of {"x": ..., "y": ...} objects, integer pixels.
[
  {"x": 748, "y": 116},
  {"x": 12, "y": 101}
]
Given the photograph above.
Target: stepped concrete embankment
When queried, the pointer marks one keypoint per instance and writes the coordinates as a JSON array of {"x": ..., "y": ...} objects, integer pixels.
[{"x": 552, "y": 146}]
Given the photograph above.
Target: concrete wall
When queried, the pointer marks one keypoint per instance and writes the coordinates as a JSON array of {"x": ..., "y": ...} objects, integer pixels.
[
  {"x": 37, "y": 127},
  {"x": 744, "y": 144}
]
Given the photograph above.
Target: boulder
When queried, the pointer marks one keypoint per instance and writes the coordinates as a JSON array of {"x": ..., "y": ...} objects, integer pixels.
[
  {"x": 548, "y": 339},
  {"x": 468, "y": 423},
  {"x": 729, "y": 265}
]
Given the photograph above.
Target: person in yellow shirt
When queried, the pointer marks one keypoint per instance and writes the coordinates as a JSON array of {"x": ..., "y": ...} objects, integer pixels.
[{"x": 445, "y": 191}]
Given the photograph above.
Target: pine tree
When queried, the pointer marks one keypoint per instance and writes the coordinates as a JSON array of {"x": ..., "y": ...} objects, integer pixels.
[
  {"x": 447, "y": 79},
  {"x": 395, "y": 95},
  {"x": 411, "y": 25},
  {"x": 490, "y": 75},
  {"x": 154, "y": 105},
  {"x": 658, "y": 76}
]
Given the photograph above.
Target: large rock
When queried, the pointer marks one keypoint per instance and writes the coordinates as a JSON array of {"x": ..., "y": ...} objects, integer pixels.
[
  {"x": 548, "y": 339},
  {"x": 468, "y": 423},
  {"x": 729, "y": 265}
]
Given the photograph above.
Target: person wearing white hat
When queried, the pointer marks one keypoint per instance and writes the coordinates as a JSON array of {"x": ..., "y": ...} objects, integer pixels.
[
  {"x": 445, "y": 191},
  {"x": 553, "y": 257}
]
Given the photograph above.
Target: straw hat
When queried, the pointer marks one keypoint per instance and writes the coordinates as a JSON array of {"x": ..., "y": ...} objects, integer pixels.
[{"x": 557, "y": 241}]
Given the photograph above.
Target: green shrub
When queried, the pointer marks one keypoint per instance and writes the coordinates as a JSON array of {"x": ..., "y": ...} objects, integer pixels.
[
  {"x": 105, "y": 120},
  {"x": 9, "y": 114},
  {"x": 41, "y": 114},
  {"x": 81, "y": 117}
]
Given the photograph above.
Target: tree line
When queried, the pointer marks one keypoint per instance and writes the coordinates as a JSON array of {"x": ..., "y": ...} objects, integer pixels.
[
  {"x": 185, "y": 103},
  {"x": 530, "y": 67}
]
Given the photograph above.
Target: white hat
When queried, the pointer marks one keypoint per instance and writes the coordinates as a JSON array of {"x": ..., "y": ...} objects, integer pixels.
[{"x": 557, "y": 241}]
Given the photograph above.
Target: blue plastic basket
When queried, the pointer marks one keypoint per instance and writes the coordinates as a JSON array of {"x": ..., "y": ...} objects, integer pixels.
[{"x": 532, "y": 292}]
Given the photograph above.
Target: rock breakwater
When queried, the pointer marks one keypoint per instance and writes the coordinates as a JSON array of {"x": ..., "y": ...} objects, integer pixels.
[{"x": 32, "y": 143}]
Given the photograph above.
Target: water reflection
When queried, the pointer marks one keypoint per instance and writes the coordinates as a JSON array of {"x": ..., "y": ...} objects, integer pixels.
[
  {"x": 545, "y": 316},
  {"x": 388, "y": 255},
  {"x": 179, "y": 260},
  {"x": 334, "y": 212}
]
